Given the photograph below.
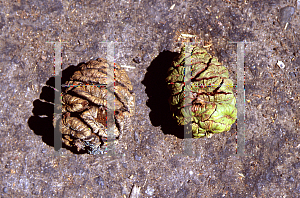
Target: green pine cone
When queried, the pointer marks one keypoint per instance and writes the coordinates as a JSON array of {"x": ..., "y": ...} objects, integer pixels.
[{"x": 205, "y": 99}]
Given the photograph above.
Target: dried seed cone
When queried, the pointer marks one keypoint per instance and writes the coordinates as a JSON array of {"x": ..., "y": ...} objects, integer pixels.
[
  {"x": 85, "y": 105},
  {"x": 209, "y": 103}
]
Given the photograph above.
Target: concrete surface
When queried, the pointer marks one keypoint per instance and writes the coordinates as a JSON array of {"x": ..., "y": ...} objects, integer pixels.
[{"x": 151, "y": 147}]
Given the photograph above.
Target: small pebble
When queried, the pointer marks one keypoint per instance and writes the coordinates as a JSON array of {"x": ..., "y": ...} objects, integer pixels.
[
  {"x": 281, "y": 64},
  {"x": 285, "y": 14},
  {"x": 149, "y": 191},
  {"x": 136, "y": 157},
  {"x": 172, "y": 7}
]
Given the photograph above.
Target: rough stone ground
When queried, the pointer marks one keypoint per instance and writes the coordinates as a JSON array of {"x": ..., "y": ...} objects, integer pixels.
[{"x": 151, "y": 146}]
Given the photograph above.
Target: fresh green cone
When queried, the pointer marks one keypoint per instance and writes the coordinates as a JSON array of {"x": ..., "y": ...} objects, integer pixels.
[{"x": 211, "y": 105}]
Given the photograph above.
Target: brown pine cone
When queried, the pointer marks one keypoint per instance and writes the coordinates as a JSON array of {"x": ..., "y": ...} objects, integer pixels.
[{"x": 85, "y": 106}]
